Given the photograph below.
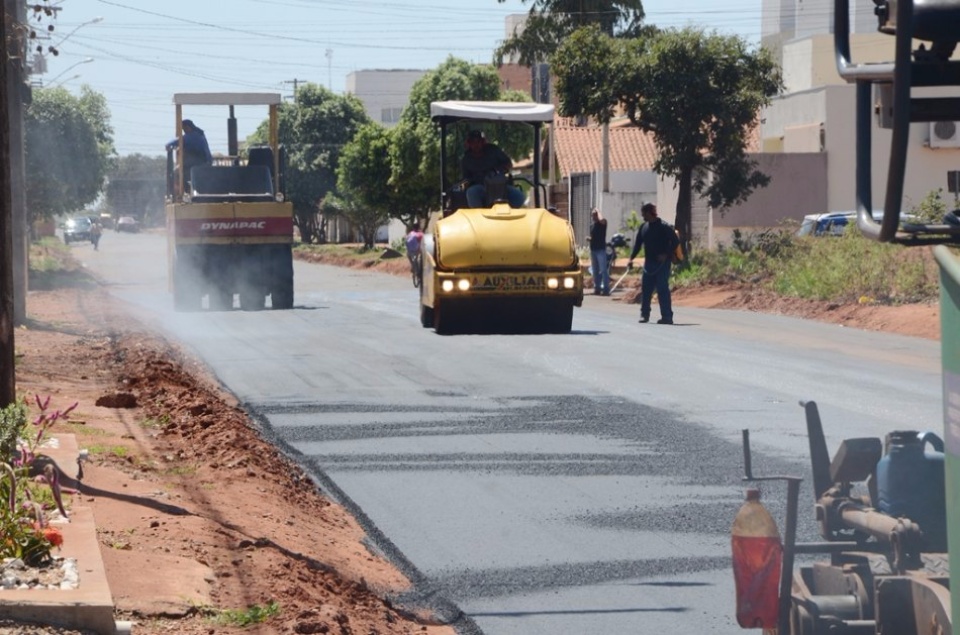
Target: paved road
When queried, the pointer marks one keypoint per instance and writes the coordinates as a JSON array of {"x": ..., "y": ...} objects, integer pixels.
[{"x": 580, "y": 483}]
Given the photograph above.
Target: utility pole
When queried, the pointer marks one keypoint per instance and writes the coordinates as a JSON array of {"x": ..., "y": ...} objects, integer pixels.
[
  {"x": 18, "y": 94},
  {"x": 296, "y": 83},
  {"x": 8, "y": 384}
]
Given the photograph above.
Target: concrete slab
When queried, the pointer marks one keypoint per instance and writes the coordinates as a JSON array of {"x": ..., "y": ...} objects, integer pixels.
[{"x": 90, "y": 605}]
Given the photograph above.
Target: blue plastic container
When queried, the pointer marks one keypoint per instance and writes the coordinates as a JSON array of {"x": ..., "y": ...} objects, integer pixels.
[{"x": 910, "y": 483}]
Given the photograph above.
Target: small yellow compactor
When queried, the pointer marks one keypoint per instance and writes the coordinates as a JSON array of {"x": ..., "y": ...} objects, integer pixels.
[{"x": 497, "y": 268}]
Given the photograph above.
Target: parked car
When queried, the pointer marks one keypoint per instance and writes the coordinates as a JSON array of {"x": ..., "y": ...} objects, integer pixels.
[
  {"x": 835, "y": 223},
  {"x": 829, "y": 224},
  {"x": 77, "y": 228},
  {"x": 128, "y": 224}
]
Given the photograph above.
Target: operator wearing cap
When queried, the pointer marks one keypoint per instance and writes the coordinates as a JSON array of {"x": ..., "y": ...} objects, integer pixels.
[{"x": 480, "y": 160}]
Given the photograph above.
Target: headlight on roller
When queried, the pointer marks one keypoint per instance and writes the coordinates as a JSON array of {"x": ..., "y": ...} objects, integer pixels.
[
  {"x": 447, "y": 286},
  {"x": 463, "y": 284},
  {"x": 569, "y": 283},
  {"x": 553, "y": 283}
]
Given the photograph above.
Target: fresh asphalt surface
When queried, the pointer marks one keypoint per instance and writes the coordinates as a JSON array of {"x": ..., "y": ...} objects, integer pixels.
[{"x": 542, "y": 484}]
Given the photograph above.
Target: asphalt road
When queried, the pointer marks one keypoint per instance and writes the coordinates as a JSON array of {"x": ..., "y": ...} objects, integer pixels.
[{"x": 542, "y": 484}]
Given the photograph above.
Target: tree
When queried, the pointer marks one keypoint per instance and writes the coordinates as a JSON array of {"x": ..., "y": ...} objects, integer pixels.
[
  {"x": 587, "y": 67},
  {"x": 363, "y": 174},
  {"x": 699, "y": 94},
  {"x": 415, "y": 153},
  {"x": 551, "y": 22},
  {"x": 136, "y": 186},
  {"x": 69, "y": 149},
  {"x": 314, "y": 130}
]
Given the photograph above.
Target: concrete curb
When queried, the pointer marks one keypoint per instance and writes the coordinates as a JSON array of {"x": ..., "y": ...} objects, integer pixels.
[{"x": 90, "y": 605}]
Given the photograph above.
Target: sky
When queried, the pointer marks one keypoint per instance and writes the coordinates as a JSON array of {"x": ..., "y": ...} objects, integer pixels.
[{"x": 138, "y": 53}]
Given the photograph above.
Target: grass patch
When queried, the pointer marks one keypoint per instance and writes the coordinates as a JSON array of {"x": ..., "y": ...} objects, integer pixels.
[
  {"x": 255, "y": 614},
  {"x": 154, "y": 423},
  {"x": 846, "y": 269},
  {"x": 118, "y": 451},
  {"x": 843, "y": 269},
  {"x": 83, "y": 430},
  {"x": 53, "y": 266}
]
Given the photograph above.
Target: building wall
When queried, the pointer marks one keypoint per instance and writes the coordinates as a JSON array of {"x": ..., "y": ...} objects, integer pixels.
[
  {"x": 514, "y": 77},
  {"x": 798, "y": 186},
  {"x": 384, "y": 93},
  {"x": 811, "y": 62},
  {"x": 833, "y": 108},
  {"x": 785, "y": 20}
]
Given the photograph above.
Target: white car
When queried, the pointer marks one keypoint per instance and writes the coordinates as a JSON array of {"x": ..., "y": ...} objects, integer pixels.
[
  {"x": 835, "y": 223},
  {"x": 128, "y": 224}
]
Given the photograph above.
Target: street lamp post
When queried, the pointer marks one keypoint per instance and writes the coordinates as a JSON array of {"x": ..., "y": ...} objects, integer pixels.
[
  {"x": 70, "y": 68},
  {"x": 64, "y": 81},
  {"x": 97, "y": 19}
]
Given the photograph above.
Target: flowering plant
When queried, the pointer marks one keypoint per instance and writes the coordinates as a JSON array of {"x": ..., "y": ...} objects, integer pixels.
[{"x": 25, "y": 532}]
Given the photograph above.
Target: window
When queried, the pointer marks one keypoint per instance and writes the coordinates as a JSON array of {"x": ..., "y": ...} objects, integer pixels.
[{"x": 390, "y": 115}]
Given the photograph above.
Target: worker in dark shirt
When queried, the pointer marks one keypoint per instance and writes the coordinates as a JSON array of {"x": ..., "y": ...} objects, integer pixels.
[
  {"x": 658, "y": 241},
  {"x": 599, "y": 266},
  {"x": 480, "y": 160},
  {"x": 196, "y": 150}
]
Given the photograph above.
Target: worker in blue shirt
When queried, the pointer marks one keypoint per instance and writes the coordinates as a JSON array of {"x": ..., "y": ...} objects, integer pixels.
[{"x": 196, "y": 150}]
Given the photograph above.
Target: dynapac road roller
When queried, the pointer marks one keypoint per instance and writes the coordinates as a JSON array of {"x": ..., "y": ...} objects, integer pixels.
[
  {"x": 496, "y": 267},
  {"x": 229, "y": 229}
]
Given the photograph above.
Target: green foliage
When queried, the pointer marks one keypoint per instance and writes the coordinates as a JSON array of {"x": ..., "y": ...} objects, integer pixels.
[
  {"x": 13, "y": 423},
  {"x": 931, "y": 209},
  {"x": 136, "y": 186},
  {"x": 314, "y": 130},
  {"x": 849, "y": 268},
  {"x": 415, "y": 153},
  {"x": 587, "y": 65},
  {"x": 633, "y": 222},
  {"x": 24, "y": 532},
  {"x": 256, "y": 614},
  {"x": 852, "y": 268},
  {"x": 363, "y": 180},
  {"x": 69, "y": 150},
  {"x": 698, "y": 93},
  {"x": 551, "y": 22}
]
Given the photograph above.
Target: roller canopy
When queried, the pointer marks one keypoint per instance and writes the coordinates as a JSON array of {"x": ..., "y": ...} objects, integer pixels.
[{"x": 492, "y": 111}]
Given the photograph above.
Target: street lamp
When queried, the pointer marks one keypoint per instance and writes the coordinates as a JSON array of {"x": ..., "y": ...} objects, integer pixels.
[
  {"x": 64, "y": 81},
  {"x": 97, "y": 19},
  {"x": 70, "y": 68}
]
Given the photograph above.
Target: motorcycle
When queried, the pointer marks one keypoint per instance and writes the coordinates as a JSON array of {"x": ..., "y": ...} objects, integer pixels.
[{"x": 616, "y": 241}]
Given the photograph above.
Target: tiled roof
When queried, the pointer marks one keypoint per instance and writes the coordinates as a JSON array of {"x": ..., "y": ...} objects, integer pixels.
[
  {"x": 578, "y": 148},
  {"x": 631, "y": 149}
]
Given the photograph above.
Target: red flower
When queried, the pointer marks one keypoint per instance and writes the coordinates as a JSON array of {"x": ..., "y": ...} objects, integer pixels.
[{"x": 53, "y": 536}]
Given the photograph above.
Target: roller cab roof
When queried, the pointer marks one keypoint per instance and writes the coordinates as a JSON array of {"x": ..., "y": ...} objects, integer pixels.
[{"x": 520, "y": 112}]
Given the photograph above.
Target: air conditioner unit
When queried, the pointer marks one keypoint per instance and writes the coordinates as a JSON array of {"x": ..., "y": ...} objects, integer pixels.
[{"x": 944, "y": 134}]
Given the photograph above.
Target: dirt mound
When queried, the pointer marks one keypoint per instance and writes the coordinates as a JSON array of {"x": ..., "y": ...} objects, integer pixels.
[{"x": 203, "y": 524}]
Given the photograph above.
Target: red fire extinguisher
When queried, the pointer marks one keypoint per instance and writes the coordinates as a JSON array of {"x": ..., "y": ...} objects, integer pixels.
[{"x": 757, "y": 559}]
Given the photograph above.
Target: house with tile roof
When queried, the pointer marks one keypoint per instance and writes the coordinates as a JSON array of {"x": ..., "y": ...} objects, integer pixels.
[{"x": 630, "y": 180}]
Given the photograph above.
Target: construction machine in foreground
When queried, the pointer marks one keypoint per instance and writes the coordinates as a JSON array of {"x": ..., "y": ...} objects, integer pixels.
[
  {"x": 497, "y": 267},
  {"x": 889, "y": 512},
  {"x": 229, "y": 229}
]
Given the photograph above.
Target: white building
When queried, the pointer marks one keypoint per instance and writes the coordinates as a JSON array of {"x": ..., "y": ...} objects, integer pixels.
[
  {"x": 384, "y": 93},
  {"x": 816, "y": 113}
]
